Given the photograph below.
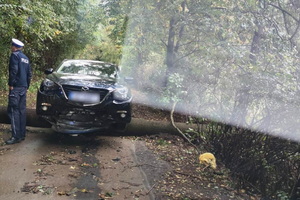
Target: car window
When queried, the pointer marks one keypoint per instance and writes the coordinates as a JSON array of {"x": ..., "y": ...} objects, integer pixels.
[{"x": 89, "y": 68}]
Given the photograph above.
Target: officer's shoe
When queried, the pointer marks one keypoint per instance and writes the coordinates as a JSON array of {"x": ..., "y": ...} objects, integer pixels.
[{"x": 13, "y": 140}]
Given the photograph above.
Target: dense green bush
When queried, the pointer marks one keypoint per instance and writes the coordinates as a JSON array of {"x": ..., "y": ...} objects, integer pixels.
[{"x": 262, "y": 163}]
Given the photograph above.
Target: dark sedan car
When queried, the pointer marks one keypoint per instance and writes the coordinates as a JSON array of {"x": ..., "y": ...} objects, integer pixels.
[{"x": 83, "y": 96}]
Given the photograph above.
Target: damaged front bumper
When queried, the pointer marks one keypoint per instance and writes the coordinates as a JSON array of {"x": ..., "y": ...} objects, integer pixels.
[{"x": 75, "y": 118}]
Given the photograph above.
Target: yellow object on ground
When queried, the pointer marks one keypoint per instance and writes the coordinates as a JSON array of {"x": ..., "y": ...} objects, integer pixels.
[{"x": 208, "y": 159}]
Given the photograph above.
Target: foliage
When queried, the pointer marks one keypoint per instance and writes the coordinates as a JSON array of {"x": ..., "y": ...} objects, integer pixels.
[
  {"x": 110, "y": 35},
  {"x": 262, "y": 163},
  {"x": 103, "y": 48},
  {"x": 228, "y": 53},
  {"x": 51, "y": 30}
]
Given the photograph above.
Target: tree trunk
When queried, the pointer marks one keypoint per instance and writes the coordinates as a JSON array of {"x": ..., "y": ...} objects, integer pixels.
[
  {"x": 32, "y": 119},
  {"x": 174, "y": 40},
  {"x": 243, "y": 96},
  {"x": 292, "y": 23},
  {"x": 136, "y": 127},
  {"x": 256, "y": 44},
  {"x": 170, "y": 50}
]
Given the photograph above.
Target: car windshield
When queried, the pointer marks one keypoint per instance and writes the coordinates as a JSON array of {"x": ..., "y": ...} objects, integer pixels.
[{"x": 91, "y": 68}]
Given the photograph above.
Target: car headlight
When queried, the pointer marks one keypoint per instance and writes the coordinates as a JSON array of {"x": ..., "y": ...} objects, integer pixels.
[
  {"x": 49, "y": 85},
  {"x": 121, "y": 94}
]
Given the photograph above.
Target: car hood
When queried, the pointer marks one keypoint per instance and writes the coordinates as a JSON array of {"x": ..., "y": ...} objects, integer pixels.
[{"x": 82, "y": 80}]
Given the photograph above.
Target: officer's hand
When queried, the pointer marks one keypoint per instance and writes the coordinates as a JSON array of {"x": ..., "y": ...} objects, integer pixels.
[{"x": 11, "y": 87}]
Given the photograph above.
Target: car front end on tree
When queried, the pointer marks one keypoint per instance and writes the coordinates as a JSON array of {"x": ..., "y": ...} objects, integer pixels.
[{"x": 84, "y": 96}]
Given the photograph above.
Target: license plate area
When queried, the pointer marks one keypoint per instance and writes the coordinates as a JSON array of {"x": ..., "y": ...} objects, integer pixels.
[{"x": 84, "y": 97}]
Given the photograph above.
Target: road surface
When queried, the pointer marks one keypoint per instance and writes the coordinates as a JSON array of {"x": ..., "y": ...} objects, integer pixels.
[{"x": 48, "y": 165}]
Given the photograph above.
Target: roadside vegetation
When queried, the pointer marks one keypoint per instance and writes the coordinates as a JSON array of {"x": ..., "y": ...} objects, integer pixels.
[{"x": 229, "y": 66}]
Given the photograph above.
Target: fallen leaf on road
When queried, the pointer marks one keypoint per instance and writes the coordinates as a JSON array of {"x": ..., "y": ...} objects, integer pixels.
[{"x": 72, "y": 167}]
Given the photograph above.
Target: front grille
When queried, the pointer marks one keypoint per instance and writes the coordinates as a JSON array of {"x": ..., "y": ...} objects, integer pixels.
[
  {"x": 83, "y": 115},
  {"x": 70, "y": 88},
  {"x": 78, "y": 115}
]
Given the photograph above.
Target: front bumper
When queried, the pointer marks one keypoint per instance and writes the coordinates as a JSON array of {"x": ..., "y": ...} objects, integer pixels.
[{"x": 75, "y": 118}]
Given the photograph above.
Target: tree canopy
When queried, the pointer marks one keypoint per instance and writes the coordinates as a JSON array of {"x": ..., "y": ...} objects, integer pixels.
[
  {"x": 233, "y": 61},
  {"x": 51, "y": 30}
]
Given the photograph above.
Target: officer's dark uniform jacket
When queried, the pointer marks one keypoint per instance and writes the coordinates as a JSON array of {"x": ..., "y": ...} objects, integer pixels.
[{"x": 19, "y": 70}]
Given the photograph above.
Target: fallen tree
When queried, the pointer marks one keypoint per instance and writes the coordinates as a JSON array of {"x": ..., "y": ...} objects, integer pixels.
[
  {"x": 136, "y": 127},
  {"x": 32, "y": 119}
]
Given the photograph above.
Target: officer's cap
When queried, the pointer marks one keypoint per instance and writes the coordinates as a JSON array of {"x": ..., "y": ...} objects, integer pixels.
[{"x": 17, "y": 43}]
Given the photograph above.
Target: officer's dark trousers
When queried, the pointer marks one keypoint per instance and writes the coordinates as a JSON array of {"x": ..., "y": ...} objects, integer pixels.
[{"x": 17, "y": 111}]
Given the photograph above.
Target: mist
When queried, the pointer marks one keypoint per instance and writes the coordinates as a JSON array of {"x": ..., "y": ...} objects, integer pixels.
[{"x": 220, "y": 65}]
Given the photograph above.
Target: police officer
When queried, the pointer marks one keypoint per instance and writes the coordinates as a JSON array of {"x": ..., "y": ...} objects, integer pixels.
[{"x": 19, "y": 80}]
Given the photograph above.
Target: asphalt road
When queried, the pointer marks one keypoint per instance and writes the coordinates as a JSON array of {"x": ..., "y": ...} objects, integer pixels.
[{"x": 52, "y": 166}]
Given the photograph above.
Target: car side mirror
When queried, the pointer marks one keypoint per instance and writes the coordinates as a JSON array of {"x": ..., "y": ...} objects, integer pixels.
[{"x": 48, "y": 71}]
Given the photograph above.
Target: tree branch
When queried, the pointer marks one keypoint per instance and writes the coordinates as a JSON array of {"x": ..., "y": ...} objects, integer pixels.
[
  {"x": 285, "y": 11},
  {"x": 174, "y": 125},
  {"x": 186, "y": 55}
]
